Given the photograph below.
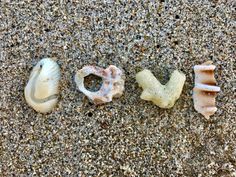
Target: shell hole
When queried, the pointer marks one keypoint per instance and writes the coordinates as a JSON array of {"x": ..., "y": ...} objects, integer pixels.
[
  {"x": 90, "y": 114},
  {"x": 92, "y": 82}
]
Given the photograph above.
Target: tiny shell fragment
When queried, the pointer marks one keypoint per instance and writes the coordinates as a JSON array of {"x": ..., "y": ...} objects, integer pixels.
[
  {"x": 163, "y": 96},
  {"x": 112, "y": 86},
  {"x": 205, "y": 89}
]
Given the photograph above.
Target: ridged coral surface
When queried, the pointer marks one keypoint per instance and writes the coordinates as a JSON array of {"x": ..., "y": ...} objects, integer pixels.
[{"x": 205, "y": 89}]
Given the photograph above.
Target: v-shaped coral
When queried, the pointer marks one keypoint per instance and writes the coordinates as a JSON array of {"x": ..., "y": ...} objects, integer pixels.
[{"x": 163, "y": 96}]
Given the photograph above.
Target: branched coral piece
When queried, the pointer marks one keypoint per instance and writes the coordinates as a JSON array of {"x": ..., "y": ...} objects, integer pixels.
[{"x": 163, "y": 96}]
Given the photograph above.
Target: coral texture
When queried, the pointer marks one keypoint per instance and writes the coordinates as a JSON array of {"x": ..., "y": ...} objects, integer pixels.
[
  {"x": 205, "y": 89},
  {"x": 112, "y": 86},
  {"x": 163, "y": 96}
]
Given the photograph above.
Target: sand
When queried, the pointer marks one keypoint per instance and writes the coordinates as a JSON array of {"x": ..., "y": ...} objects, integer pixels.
[{"x": 129, "y": 136}]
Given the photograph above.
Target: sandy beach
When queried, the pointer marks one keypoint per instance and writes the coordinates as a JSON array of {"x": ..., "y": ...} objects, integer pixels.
[{"x": 128, "y": 136}]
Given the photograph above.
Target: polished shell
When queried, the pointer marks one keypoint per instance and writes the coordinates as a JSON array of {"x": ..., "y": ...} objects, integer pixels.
[{"x": 41, "y": 91}]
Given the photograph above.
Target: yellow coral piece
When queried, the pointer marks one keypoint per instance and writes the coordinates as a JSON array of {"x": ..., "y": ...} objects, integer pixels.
[{"x": 163, "y": 96}]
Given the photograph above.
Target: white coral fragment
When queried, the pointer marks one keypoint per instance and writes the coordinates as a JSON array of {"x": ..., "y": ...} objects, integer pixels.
[
  {"x": 41, "y": 91},
  {"x": 163, "y": 96},
  {"x": 112, "y": 86},
  {"x": 205, "y": 89}
]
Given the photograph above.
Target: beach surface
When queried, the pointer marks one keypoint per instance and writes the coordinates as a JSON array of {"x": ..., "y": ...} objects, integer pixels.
[{"x": 128, "y": 136}]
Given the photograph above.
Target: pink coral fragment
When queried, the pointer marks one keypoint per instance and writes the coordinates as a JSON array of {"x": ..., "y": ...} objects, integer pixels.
[{"x": 113, "y": 83}]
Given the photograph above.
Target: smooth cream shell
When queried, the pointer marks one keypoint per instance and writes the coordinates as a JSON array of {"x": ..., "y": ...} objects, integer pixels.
[{"x": 41, "y": 91}]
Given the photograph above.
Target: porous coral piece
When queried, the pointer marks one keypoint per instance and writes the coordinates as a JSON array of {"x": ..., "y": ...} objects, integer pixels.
[
  {"x": 41, "y": 91},
  {"x": 163, "y": 96},
  {"x": 205, "y": 89},
  {"x": 112, "y": 86}
]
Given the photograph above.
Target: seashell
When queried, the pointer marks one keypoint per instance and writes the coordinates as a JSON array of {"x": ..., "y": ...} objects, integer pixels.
[
  {"x": 163, "y": 96},
  {"x": 41, "y": 91},
  {"x": 112, "y": 86},
  {"x": 205, "y": 89}
]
